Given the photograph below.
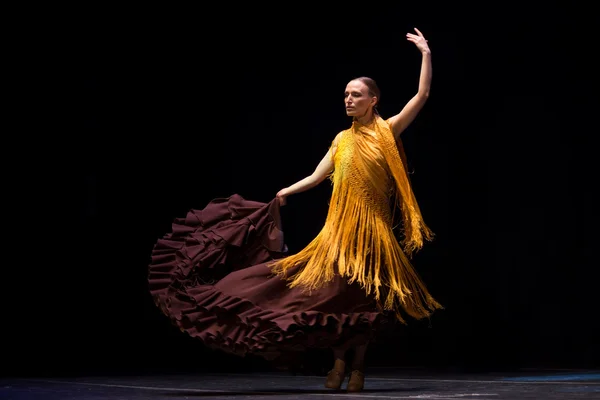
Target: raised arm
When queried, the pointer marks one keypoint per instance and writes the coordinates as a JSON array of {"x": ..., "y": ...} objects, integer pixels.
[
  {"x": 400, "y": 121},
  {"x": 320, "y": 173}
]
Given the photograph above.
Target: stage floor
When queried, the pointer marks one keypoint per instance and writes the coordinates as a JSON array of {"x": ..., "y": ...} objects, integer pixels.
[{"x": 379, "y": 384}]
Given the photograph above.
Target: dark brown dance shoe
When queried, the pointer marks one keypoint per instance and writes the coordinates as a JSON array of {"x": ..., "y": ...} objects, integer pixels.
[{"x": 356, "y": 382}]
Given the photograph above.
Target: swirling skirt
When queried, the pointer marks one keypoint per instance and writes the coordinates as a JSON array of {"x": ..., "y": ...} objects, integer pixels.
[{"x": 210, "y": 276}]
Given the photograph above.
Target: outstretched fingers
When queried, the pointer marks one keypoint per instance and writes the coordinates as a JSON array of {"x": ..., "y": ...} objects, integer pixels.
[{"x": 415, "y": 38}]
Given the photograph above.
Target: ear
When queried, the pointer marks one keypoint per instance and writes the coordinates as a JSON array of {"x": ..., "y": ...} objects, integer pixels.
[{"x": 374, "y": 101}]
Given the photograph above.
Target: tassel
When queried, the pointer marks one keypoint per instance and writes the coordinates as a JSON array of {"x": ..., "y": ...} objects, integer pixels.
[{"x": 357, "y": 240}]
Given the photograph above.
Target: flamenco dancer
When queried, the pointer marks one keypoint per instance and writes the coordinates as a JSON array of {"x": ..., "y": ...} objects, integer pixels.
[{"x": 223, "y": 274}]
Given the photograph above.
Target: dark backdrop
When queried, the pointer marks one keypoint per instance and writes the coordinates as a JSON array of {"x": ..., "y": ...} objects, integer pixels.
[{"x": 174, "y": 108}]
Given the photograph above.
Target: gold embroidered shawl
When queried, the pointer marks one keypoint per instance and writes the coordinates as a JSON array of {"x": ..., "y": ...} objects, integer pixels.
[{"x": 357, "y": 241}]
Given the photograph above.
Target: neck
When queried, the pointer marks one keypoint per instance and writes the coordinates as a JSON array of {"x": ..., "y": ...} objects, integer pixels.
[{"x": 367, "y": 118}]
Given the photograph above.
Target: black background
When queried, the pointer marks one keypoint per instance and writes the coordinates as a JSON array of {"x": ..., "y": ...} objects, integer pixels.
[{"x": 168, "y": 109}]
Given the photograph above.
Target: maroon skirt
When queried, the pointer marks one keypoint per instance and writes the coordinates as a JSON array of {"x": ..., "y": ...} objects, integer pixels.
[{"x": 210, "y": 276}]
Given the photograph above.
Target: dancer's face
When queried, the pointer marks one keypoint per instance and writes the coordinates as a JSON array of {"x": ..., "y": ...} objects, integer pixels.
[{"x": 357, "y": 99}]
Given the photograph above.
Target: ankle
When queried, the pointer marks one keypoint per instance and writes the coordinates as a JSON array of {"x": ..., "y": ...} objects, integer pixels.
[
  {"x": 339, "y": 365},
  {"x": 358, "y": 367}
]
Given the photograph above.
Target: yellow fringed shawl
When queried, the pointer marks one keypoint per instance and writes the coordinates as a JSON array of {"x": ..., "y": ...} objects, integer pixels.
[{"x": 357, "y": 240}]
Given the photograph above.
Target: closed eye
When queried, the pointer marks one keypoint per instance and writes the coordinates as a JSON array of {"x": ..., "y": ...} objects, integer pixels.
[{"x": 354, "y": 94}]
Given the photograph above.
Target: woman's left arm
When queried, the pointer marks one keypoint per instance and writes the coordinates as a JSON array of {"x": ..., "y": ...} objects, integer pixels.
[{"x": 400, "y": 121}]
